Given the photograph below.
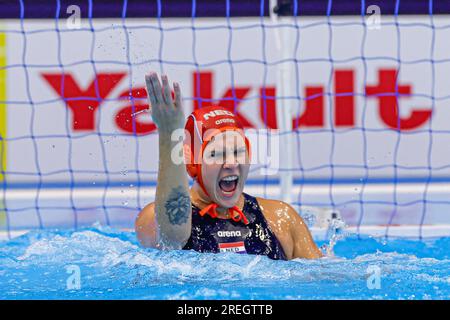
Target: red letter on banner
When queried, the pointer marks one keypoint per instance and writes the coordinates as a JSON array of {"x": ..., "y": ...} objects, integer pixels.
[
  {"x": 128, "y": 122},
  {"x": 313, "y": 116},
  {"x": 386, "y": 92},
  {"x": 344, "y": 99},
  {"x": 83, "y": 103},
  {"x": 267, "y": 107}
]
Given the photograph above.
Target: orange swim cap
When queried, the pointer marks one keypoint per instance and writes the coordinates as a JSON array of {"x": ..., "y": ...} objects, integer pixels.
[{"x": 201, "y": 126}]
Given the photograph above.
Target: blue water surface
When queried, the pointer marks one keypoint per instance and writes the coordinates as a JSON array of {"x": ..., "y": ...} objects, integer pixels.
[{"x": 112, "y": 265}]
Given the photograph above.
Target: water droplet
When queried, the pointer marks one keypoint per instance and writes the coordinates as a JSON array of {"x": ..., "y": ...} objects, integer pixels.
[{"x": 139, "y": 112}]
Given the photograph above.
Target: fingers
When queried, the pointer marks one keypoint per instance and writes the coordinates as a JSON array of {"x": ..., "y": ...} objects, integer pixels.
[
  {"x": 150, "y": 93},
  {"x": 176, "y": 89},
  {"x": 154, "y": 87},
  {"x": 167, "y": 91}
]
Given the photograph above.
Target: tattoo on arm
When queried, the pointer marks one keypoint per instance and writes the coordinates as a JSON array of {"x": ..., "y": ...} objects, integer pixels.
[{"x": 178, "y": 206}]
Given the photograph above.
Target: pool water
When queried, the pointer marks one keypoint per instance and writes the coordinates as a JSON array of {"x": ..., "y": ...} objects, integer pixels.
[{"x": 104, "y": 263}]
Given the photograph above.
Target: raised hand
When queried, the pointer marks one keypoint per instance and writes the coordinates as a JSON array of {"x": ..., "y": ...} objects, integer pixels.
[
  {"x": 167, "y": 113},
  {"x": 172, "y": 207}
]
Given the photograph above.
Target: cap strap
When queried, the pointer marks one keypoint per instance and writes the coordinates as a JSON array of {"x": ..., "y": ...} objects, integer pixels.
[
  {"x": 240, "y": 217},
  {"x": 211, "y": 211}
]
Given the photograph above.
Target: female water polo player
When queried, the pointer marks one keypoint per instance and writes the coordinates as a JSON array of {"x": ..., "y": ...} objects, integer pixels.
[{"x": 215, "y": 215}]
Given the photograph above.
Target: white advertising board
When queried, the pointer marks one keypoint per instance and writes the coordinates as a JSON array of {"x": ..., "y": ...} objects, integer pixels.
[{"x": 350, "y": 83}]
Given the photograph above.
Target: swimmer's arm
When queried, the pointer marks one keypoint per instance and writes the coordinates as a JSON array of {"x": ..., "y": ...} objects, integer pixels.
[
  {"x": 171, "y": 224},
  {"x": 304, "y": 245}
]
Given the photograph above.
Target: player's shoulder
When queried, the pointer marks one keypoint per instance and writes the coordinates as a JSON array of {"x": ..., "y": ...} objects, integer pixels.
[
  {"x": 276, "y": 208},
  {"x": 150, "y": 207},
  {"x": 282, "y": 216},
  {"x": 145, "y": 226},
  {"x": 146, "y": 214},
  {"x": 274, "y": 203}
]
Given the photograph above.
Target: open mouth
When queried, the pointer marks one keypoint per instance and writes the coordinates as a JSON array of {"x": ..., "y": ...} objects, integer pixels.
[{"x": 228, "y": 184}]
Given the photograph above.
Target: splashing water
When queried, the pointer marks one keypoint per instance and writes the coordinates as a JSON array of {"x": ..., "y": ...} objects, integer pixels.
[
  {"x": 148, "y": 110},
  {"x": 336, "y": 232},
  {"x": 112, "y": 265}
]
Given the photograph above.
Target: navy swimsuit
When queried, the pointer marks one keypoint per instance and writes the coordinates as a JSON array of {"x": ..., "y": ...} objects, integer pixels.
[{"x": 225, "y": 235}]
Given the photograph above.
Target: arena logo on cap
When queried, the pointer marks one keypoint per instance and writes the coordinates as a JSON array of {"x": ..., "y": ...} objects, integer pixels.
[{"x": 226, "y": 120}]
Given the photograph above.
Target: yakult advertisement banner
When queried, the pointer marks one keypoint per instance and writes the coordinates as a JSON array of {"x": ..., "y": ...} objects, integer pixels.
[{"x": 369, "y": 102}]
